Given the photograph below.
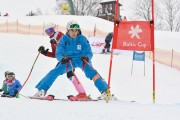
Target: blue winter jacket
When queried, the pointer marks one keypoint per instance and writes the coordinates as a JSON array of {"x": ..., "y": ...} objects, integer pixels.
[
  {"x": 109, "y": 37},
  {"x": 73, "y": 47},
  {"x": 9, "y": 89}
]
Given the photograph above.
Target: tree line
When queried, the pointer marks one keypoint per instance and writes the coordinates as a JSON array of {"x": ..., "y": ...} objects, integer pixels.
[{"x": 167, "y": 12}]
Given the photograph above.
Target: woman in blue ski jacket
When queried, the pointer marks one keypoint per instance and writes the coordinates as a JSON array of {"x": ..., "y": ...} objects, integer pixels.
[{"x": 73, "y": 48}]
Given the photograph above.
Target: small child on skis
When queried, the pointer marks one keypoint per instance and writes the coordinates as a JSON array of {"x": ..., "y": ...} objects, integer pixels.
[{"x": 11, "y": 85}]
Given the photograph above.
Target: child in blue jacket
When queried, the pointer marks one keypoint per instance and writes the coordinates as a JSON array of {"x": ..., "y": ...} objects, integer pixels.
[{"x": 11, "y": 85}]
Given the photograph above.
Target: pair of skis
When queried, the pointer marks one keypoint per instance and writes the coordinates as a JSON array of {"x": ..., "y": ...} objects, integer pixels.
[
  {"x": 52, "y": 98},
  {"x": 70, "y": 98}
]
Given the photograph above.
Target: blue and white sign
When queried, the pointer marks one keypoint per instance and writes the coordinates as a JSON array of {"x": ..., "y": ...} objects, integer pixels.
[{"x": 139, "y": 56}]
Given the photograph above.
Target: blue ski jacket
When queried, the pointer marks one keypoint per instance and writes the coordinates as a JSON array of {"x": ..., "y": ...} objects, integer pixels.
[
  {"x": 109, "y": 37},
  {"x": 73, "y": 47},
  {"x": 9, "y": 88}
]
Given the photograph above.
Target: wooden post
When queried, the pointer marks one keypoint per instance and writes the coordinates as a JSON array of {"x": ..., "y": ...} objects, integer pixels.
[
  {"x": 7, "y": 26},
  {"x": 94, "y": 30},
  {"x": 17, "y": 26},
  {"x": 29, "y": 29},
  {"x": 43, "y": 28},
  {"x": 172, "y": 58}
]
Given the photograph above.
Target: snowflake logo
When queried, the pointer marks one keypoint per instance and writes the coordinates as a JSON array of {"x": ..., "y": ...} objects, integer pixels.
[{"x": 134, "y": 31}]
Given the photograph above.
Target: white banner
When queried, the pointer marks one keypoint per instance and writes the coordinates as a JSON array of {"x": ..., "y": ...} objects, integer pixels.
[{"x": 97, "y": 45}]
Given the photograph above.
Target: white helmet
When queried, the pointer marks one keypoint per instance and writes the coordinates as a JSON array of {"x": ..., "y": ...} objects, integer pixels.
[
  {"x": 72, "y": 25},
  {"x": 9, "y": 73},
  {"x": 49, "y": 25},
  {"x": 6, "y": 73}
]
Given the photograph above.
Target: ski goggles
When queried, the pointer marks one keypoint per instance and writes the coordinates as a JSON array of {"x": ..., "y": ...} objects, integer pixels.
[
  {"x": 74, "y": 26},
  {"x": 49, "y": 30},
  {"x": 10, "y": 76}
]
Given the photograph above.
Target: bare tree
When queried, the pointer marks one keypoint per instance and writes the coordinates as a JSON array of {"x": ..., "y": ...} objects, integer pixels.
[
  {"x": 167, "y": 13},
  {"x": 58, "y": 6},
  {"x": 143, "y": 9},
  {"x": 38, "y": 12},
  {"x": 81, "y": 7},
  {"x": 31, "y": 13},
  {"x": 86, "y": 7},
  {"x": 170, "y": 14}
]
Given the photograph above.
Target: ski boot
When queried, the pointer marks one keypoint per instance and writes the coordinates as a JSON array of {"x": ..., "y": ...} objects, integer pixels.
[{"x": 39, "y": 94}]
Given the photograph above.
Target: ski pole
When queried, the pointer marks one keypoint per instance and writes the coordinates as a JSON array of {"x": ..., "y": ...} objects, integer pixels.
[
  {"x": 74, "y": 72},
  {"x": 91, "y": 66},
  {"x": 23, "y": 95},
  {"x": 30, "y": 71}
]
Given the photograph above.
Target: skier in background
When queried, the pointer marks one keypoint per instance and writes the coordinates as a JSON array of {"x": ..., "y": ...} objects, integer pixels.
[
  {"x": 124, "y": 19},
  {"x": 11, "y": 85},
  {"x": 73, "y": 50},
  {"x": 54, "y": 37},
  {"x": 6, "y": 14},
  {"x": 108, "y": 40}
]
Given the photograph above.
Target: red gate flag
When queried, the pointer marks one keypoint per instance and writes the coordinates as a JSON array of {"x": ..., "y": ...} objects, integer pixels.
[{"x": 133, "y": 35}]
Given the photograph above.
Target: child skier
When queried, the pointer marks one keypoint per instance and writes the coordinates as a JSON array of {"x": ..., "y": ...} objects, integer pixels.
[{"x": 11, "y": 85}]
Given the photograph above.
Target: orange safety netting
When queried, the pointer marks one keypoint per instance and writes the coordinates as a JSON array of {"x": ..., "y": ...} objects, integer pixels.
[{"x": 16, "y": 27}]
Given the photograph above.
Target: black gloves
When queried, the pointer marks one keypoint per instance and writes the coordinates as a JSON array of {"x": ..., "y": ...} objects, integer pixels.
[
  {"x": 65, "y": 60},
  {"x": 1, "y": 90},
  {"x": 15, "y": 93},
  {"x": 85, "y": 58},
  {"x": 5, "y": 94},
  {"x": 42, "y": 50},
  {"x": 53, "y": 41}
]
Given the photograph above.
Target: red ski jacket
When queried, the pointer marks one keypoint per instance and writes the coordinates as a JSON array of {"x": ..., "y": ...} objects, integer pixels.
[{"x": 56, "y": 37}]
